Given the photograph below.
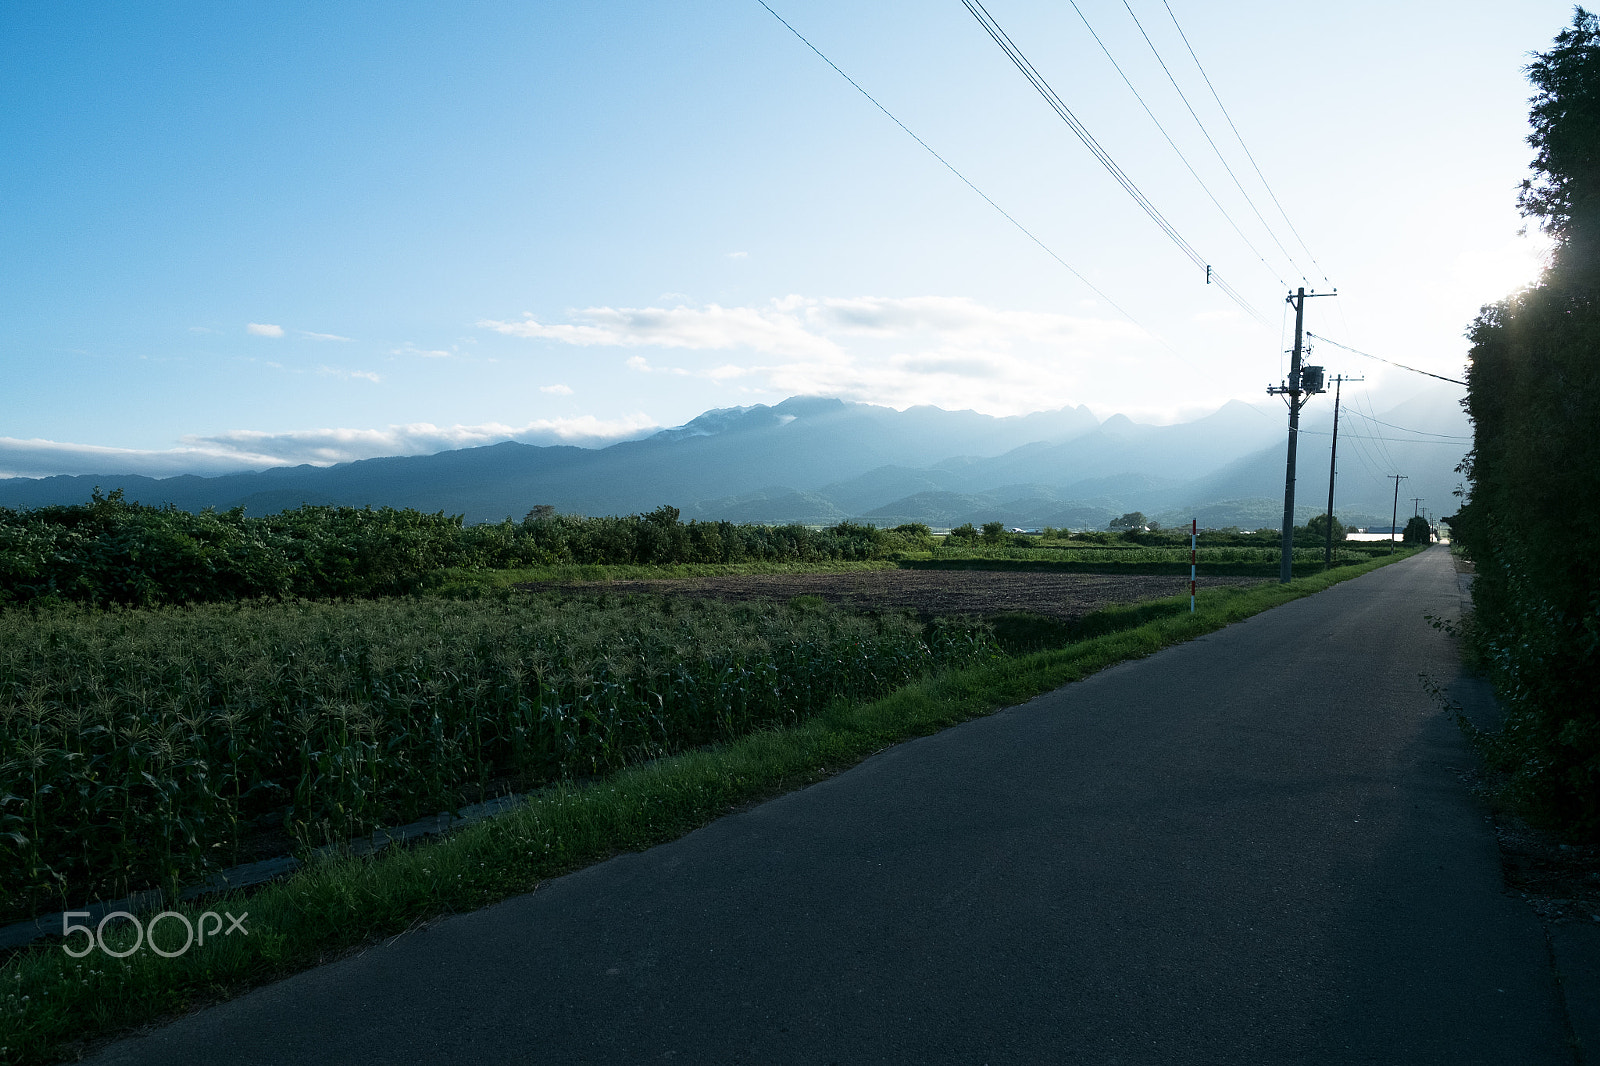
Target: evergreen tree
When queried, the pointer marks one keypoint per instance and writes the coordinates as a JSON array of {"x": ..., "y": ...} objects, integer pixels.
[{"x": 1534, "y": 471}]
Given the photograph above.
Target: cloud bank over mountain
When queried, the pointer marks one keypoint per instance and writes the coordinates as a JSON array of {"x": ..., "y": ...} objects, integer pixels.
[
  {"x": 242, "y": 450},
  {"x": 810, "y": 460},
  {"x": 946, "y": 351}
]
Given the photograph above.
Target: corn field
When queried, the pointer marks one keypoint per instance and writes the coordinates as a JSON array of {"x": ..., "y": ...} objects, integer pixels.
[{"x": 139, "y": 748}]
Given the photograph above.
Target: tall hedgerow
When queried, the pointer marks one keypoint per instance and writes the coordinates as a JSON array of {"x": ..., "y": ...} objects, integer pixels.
[
  {"x": 1534, "y": 398},
  {"x": 110, "y": 551}
]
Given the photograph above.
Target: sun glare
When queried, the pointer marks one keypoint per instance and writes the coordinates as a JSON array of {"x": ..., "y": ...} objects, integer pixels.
[{"x": 1491, "y": 273}]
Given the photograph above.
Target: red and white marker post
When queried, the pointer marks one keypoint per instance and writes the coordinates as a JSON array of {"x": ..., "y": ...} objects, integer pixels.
[{"x": 1194, "y": 530}]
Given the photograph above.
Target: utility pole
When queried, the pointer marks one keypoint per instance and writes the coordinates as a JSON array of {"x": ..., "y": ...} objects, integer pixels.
[
  {"x": 1395, "y": 517},
  {"x": 1304, "y": 383},
  {"x": 1416, "y": 505},
  {"x": 1333, "y": 458}
]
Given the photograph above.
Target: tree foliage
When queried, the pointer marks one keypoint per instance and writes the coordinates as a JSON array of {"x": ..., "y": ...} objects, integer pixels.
[
  {"x": 1134, "y": 520},
  {"x": 110, "y": 551},
  {"x": 1534, "y": 471},
  {"x": 1317, "y": 529}
]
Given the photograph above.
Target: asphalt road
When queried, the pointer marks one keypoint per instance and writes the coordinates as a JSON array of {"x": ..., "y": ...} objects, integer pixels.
[{"x": 1252, "y": 848}]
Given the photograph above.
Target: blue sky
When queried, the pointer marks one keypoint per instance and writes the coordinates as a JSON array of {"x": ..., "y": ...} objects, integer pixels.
[{"x": 235, "y": 236}]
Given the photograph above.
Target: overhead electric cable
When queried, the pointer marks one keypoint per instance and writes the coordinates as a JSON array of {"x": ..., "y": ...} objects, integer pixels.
[
  {"x": 1381, "y": 359},
  {"x": 1021, "y": 62},
  {"x": 1246, "y": 147},
  {"x": 1125, "y": 80},
  {"x": 1207, "y": 133},
  {"x": 1408, "y": 429},
  {"x": 1397, "y": 440},
  {"x": 1359, "y": 450},
  {"x": 1367, "y": 464},
  {"x": 965, "y": 181},
  {"x": 1365, "y": 396}
]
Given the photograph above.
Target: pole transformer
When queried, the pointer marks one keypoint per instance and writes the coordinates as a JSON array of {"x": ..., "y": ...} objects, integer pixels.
[{"x": 1303, "y": 383}]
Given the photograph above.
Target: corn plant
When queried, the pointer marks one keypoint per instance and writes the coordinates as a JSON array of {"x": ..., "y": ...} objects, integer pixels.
[{"x": 140, "y": 747}]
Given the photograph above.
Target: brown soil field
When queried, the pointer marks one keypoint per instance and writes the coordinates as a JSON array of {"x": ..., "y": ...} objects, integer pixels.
[{"x": 934, "y": 593}]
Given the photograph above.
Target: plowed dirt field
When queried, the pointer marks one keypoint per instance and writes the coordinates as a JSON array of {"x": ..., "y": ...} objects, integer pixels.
[{"x": 934, "y": 593}]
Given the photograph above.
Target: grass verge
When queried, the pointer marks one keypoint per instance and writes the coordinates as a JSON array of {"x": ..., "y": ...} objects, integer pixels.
[
  {"x": 50, "y": 1003},
  {"x": 1113, "y": 566}
]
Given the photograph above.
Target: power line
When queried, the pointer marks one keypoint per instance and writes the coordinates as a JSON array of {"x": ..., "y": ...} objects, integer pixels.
[
  {"x": 1362, "y": 455},
  {"x": 1207, "y": 134},
  {"x": 993, "y": 29},
  {"x": 1388, "y": 458},
  {"x": 1397, "y": 440},
  {"x": 1367, "y": 449},
  {"x": 951, "y": 168},
  {"x": 1248, "y": 243},
  {"x": 1364, "y": 458},
  {"x": 1240, "y": 136},
  {"x": 1408, "y": 429},
  {"x": 1381, "y": 359}
]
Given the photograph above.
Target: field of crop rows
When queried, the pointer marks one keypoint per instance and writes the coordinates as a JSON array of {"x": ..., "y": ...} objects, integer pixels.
[
  {"x": 141, "y": 748},
  {"x": 933, "y": 593}
]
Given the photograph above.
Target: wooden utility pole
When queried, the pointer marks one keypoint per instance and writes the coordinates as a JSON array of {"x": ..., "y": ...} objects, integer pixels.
[
  {"x": 1416, "y": 505},
  {"x": 1333, "y": 459},
  {"x": 1395, "y": 517},
  {"x": 1304, "y": 383}
]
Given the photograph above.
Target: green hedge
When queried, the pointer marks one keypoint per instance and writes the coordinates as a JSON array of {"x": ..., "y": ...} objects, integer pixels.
[
  {"x": 111, "y": 551},
  {"x": 1533, "y": 393}
]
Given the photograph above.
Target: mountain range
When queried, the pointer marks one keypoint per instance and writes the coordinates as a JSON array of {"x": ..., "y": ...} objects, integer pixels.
[{"x": 820, "y": 461}]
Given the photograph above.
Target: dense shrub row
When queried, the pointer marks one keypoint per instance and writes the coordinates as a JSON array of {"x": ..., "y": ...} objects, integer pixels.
[
  {"x": 139, "y": 747},
  {"x": 111, "y": 551},
  {"x": 1533, "y": 390}
]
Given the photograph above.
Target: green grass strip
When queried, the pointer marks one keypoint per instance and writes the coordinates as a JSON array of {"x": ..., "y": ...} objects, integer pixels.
[
  {"x": 50, "y": 1004},
  {"x": 1116, "y": 566}
]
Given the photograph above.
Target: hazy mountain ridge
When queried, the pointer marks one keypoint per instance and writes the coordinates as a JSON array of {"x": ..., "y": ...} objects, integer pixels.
[{"x": 820, "y": 461}]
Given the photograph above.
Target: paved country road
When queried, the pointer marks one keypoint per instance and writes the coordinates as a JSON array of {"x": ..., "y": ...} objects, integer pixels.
[{"x": 1252, "y": 848}]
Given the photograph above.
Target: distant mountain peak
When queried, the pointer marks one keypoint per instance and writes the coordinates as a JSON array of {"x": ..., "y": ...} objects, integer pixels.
[
  {"x": 805, "y": 406},
  {"x": 821, "y": 459}
]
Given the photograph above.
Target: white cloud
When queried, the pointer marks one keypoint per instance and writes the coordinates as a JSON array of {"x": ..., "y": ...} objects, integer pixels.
[
  {"x": 952, "y": 352},
  {"x": 338, "y": 372},
  {"x": 638, "y": 362},
  {"x": 556, "y": 390},
  {"x": 263, "y": 329},
  {"x": 426, "y": 353},
  {"x": 226, "y": 453},
  {"x": 738, "y": 255},
  {"x": 774, "y": 330},
  {"x": 326, "y": 446},
  {"x": 322, "y": 336},
  {"x": 44, "y": 458}
]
